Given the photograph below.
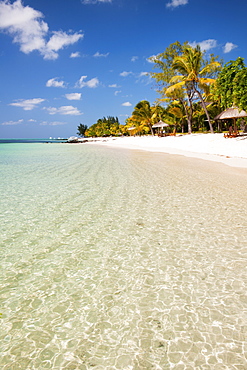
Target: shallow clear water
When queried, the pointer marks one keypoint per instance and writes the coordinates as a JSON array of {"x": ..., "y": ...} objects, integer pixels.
[{"x": 120, "y": 259}]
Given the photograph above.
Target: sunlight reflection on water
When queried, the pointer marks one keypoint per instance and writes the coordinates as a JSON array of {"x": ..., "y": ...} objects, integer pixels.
[{"x": 119, "y": 259}]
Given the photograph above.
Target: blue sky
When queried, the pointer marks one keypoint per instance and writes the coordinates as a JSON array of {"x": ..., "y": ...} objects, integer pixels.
[{"x": 65, "y": 62}]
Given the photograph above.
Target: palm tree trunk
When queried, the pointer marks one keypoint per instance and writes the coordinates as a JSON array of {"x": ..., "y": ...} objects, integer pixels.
[
  {"x": 188, "y": 115},
  {"x": 205, "y": 110},
  {"x": 151, "y": 129}
]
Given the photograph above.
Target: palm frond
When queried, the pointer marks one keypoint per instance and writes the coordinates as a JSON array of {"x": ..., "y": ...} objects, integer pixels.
[
  {"x": 211, "y": 67},
  {"x": 172, "y": 88},
  {"x": 208, "y": 81},
  {"x": 176, "y": 79}
]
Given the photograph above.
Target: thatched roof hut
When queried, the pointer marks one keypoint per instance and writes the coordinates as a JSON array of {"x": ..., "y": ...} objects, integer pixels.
[
  {"x": 160, "y": 124},
  {"x": 232, "y": 113}
]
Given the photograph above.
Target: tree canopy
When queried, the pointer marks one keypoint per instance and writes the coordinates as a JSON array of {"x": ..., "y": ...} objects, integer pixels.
[
  {"x": 144, "y": 113},
  {"x": 81, "y": 129},
  {"x": 194, "y": 74},
  {"x": 194, "y": 88},
  {"x": 231, "y": 85},
  {"x": 185, "y": 74},
  {"x": 105, "y": 126}
]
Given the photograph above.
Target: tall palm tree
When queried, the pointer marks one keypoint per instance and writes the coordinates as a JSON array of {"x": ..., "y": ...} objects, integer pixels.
[
  {"x": 177, "y": 113},
  {"x": 145, "y": 114},
  {"x": 193, "y": 76},
  {"x": 178, "y": 96}
]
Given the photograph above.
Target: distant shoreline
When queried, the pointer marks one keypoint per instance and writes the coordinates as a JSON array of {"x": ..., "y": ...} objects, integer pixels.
[
  {"x": 213, "y": 147},
  {"x": 32, "y": 141}
]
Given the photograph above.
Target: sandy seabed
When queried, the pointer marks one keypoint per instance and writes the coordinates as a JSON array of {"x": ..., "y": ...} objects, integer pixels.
[{"x": 214, "y": 147}]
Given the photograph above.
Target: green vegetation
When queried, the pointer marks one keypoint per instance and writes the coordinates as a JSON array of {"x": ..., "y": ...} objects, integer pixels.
[
  {"x": 231, "y": 86},
  {"x": 193, "y": 88},
  {"x": 186, "y": 75},
  {"x": 193, "y": 77},
  {"x": 104, "y": 127},
  {"x": 81, "y": 129}
]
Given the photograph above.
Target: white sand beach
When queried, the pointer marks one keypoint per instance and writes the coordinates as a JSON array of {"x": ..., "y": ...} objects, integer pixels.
[{"x": 213, "y": 147}]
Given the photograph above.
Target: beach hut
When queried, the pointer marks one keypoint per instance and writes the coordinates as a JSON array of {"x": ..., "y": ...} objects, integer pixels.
[
  {"x": 232, "y": 113},
  {"x": 160, "y": 125},
  {"x": 131, "y": 130}
]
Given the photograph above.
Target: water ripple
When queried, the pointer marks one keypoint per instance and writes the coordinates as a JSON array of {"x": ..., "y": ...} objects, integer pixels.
[{"x": 118, "y": 259}]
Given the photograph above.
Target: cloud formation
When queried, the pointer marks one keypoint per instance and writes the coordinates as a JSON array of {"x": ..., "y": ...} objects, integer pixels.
[
  {"x": 12, "y": 123},
  {"x": 127, "y": 104},
  {"x": 27, "y": 28},
  {"x": 75, "y": 55},
  {"x": 94, "y": 82},
  {"x": 205, "y": 45},
  {"x": 99, "y": 55},
  {"x": 54, "y": 123},
  {"x": 176, "y": 3},
  {"x": 73, "y": 96},
  {"x": 125, "y": 73},
  {"x": 28, "y": 104},
  {"x": 143, "y": 74},
  {"x": 53, "y": 82},
  {"x": 64, "y": 110},
  {"x": 229, "y": 46},
  {"x": 134, "y": 59},
  {"x": 58, "y": 41}
]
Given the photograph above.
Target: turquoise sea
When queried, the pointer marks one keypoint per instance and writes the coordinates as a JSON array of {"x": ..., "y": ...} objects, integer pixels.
[{"x": 120, "y": 259}]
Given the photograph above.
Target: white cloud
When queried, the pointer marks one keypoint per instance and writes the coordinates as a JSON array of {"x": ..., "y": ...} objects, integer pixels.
[
  {"x": 75, "y": 55},
  {"x": 28, "y": 104},
  {"x": 127, "y": 104},
  {"x": 95, "y": 1},
  {"x": 73, "y": 96},
  {"x": 176, "y": 3},
  {"x": 98, "y": 55},
  {"x": 53, "y": 82},
  {"x": 12, "y": 123},
  {"x": 134, "y": 58},
  {"x": 94, "y": 82},
  {"x": 113, "y": 85},
  {"x": 64, "y": 110},
  {"x": 117, "y": 92},
  {"x": 143, "y": 77},
  {"x": 125, "y": 74},
  {"x": 229, "y": 46},
  {"x": 27, "y": 28},
  {"x": 143, "y": 74},
  {"x": 57, "y": 123},
  {"x": 32, "y": 120},
  {"x": 54, "y": 123},
  {"x": 58, "y": 41},
  {"x": 205, "y": 45}
]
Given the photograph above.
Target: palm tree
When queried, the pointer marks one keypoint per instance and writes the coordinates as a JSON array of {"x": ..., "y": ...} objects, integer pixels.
[
  {"x": 81, "y": 129},
  {"x": 177, "y": 113},
  {"x": 193, "y": 76},
  {"x": 134, "y": 126},
  {"x": 145, "y": 114},
  {"x": 177, "y": 97}
]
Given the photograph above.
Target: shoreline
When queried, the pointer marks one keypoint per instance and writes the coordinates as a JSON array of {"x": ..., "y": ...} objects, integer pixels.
[{"x": 212, "y": 147}]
